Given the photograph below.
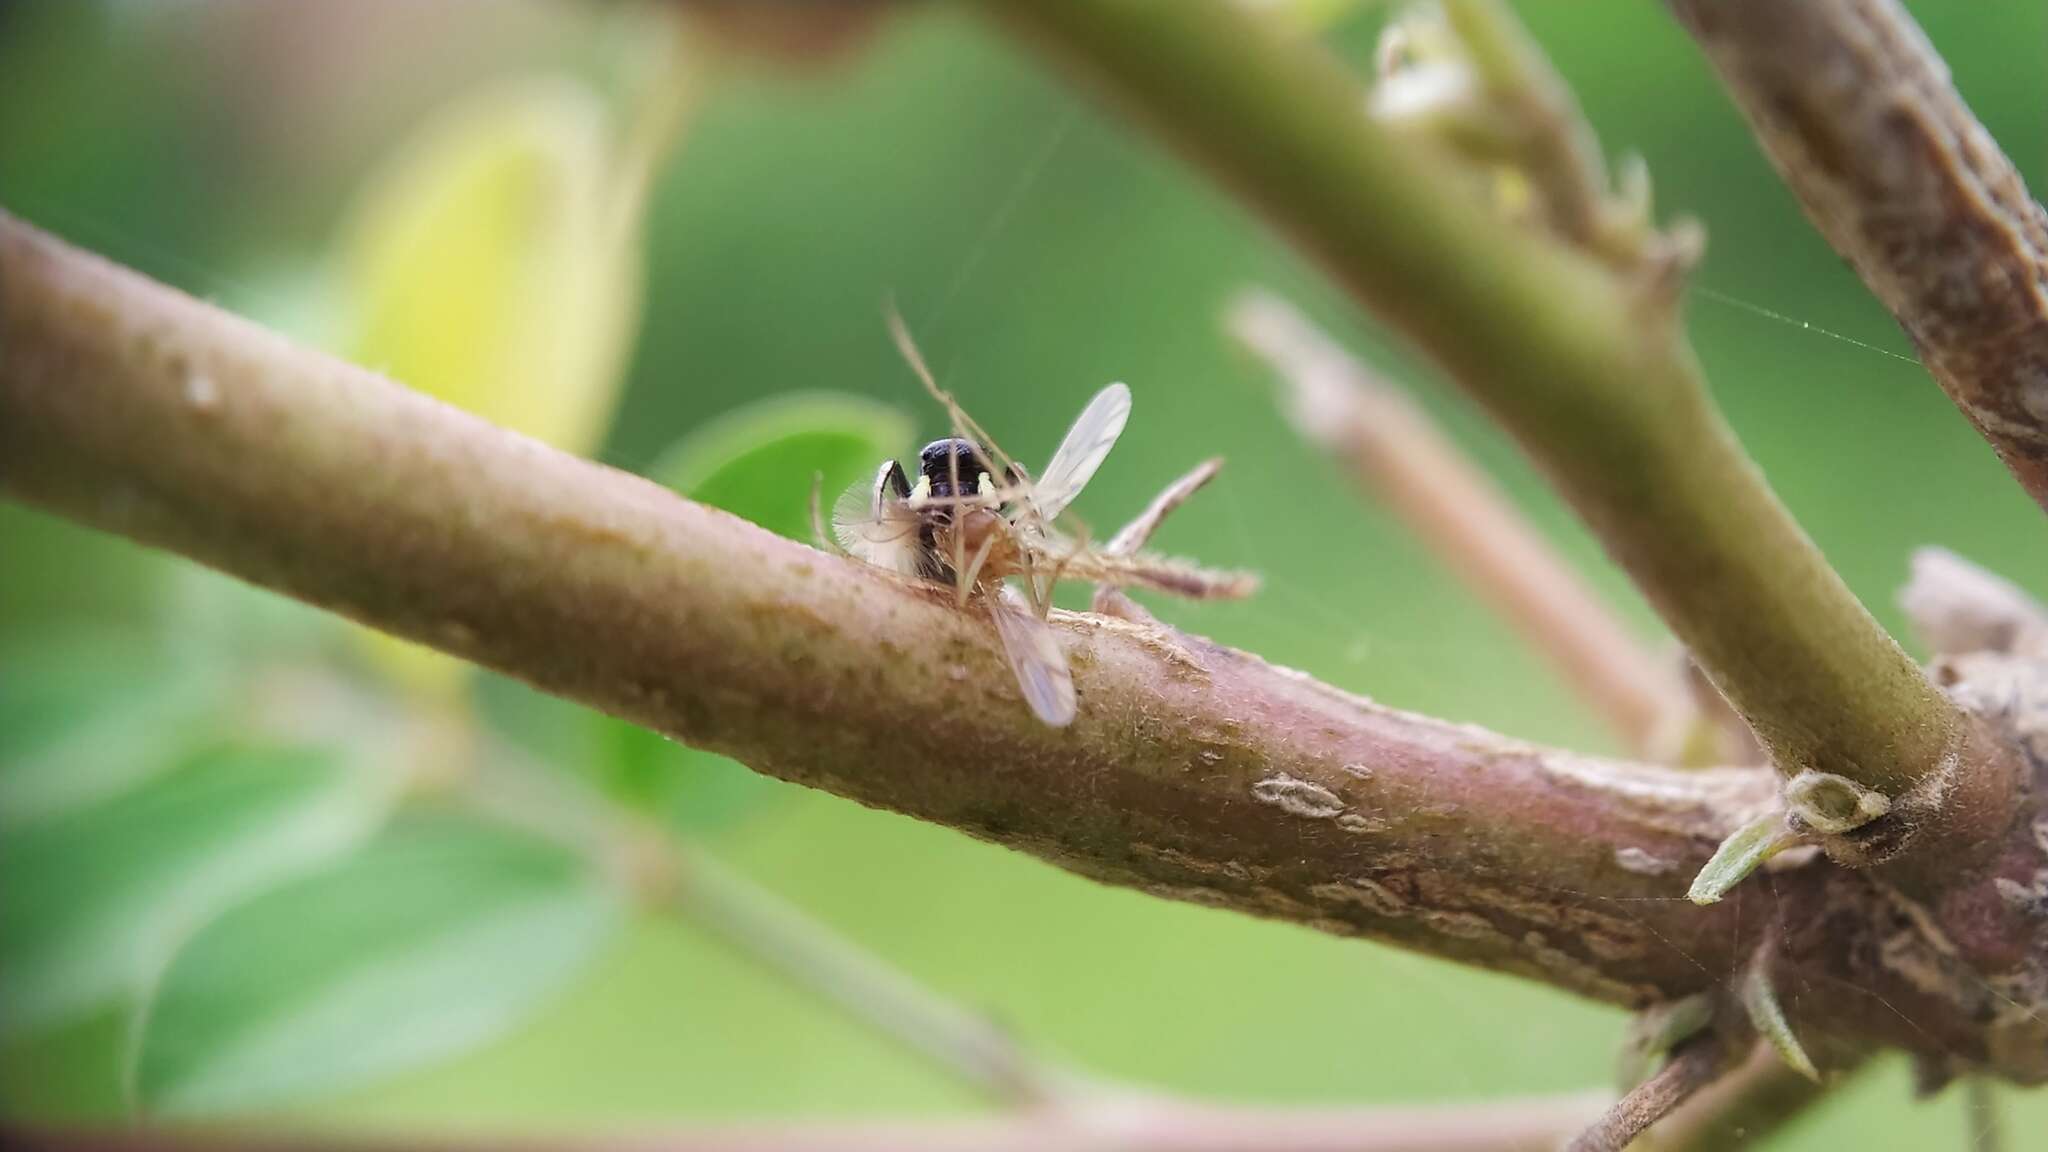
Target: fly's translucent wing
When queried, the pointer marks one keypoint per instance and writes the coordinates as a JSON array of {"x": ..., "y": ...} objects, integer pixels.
[
  {"x": 1094, "y": 433},
  {"x": 874, "y": 523},
  {"x": 1035, "y": 658}
]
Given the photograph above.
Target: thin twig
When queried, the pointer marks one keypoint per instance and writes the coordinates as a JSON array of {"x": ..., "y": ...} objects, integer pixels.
[
  {"x": 1691, "y": 1068},
  {"x": 1957, "y": 607},
  {"x": 1563, "y": 157},
  {"x": 454, "y": 758},
  {"x": 1398, "y": 455},
  {"x": 775, "y": 934},
  {"x": 1857, "y": 111},
  {"x": 1122, "y": 1126},
  {"x": 681, "y": 880},
  {"x": 1982, "y": 1113},
  {"x": 1741, "y": 1109},
  {"x": 1705, "y": 730}
]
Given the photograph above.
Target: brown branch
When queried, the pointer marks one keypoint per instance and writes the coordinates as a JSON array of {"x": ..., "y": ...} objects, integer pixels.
[
  {"x": 1856, "y": 109},
  {"x": 1148, "y": 1125},
  {"x": 1690, "y": 1069},
  {"x": 1397, "y": 454},
  {"x": 1193, "y": 772}
]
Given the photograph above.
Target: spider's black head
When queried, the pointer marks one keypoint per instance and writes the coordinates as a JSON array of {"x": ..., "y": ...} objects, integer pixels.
[{"x": 944, "y": 461}]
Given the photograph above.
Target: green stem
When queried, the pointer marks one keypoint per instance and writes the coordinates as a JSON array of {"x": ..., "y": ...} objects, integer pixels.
[{"x": 1585, "y": 370}]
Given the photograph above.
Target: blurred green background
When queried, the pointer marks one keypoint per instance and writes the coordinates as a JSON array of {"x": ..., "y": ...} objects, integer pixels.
[{"x": 1039, "y": 248}]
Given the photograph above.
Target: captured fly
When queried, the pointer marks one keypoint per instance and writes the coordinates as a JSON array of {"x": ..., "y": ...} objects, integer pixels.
[{"x": 975, "y": 519}]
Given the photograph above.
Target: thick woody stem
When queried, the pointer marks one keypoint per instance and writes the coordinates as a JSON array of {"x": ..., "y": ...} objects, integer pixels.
[
  {"x": 1855, "y": 108},
  {"x": 1401, "y": 458},
  {"x": 1193, "y": 771},
  {"x": 1582, "y": 365}
]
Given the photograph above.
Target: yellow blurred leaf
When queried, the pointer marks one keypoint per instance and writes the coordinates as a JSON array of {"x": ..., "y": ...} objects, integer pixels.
[
  {"x": 485, "y": 263},
  {"x": 493, "y": 261}
]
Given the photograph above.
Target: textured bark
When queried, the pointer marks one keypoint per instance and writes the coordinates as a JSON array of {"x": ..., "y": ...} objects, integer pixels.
[{"x": 1855, "y": 108}]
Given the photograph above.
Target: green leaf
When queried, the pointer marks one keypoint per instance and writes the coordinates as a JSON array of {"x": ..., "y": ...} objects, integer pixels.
[
  {"x": 87, "y": 716},
  {"x": 758, "y": 461},
  {"x": 690, "y": 790},
  {"x": 95, "y": 900},
  {"x": 219, "y": 619},
  {"x": 1740, "y": 854},
  {"x": 441, "y": 935}
]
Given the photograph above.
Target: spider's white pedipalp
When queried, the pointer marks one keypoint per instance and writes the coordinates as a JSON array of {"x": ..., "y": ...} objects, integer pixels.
[{"x": 875, "y": 523}]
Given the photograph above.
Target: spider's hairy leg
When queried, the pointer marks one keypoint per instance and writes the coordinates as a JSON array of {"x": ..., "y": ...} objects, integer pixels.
[
  {"x": 1163, "y": 574},
  {"x": 968, "y": 578},
  {"x": 1138, "y": 532}
]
